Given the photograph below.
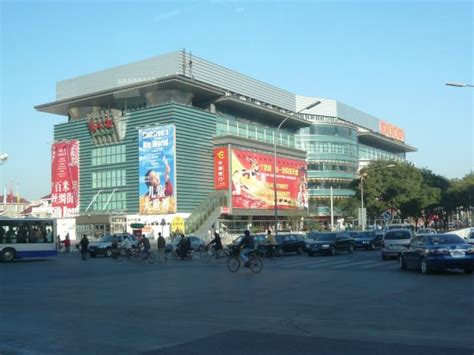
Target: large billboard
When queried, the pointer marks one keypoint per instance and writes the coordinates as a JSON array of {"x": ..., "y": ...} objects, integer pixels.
[
  {"x": 252, "y": 181},
  {"x": 65, "y": 178},
  {"x": 157, "y": 170}
]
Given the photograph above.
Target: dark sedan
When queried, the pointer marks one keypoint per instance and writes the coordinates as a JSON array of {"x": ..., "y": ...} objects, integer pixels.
[
  {"x": 438, "y": 252},
  {"x": 367, "y": 240},
  {"x": 289, "y": 243},
  {"x": 328, "y": 243}
]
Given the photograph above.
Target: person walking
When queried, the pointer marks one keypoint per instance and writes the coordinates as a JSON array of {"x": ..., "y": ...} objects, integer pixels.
[
  {"x": 271, "y": 242},
  {"x": 114, "y": 247},
  {"x": 161, "y": 247},
  {"x": 84, "y": 244},
  {"x": 67, "y": 244}
]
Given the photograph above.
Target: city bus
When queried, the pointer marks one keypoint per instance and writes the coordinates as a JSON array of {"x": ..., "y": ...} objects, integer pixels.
[{"x": 27, "y": 238}]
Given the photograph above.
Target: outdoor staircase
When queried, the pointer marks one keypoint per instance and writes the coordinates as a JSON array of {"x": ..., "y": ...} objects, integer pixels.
[{"x": 206, "y": 214}]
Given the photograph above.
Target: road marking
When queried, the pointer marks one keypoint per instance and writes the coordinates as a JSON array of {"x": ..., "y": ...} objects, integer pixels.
[
  {"x": 356, "y": 263},
  {"x": 327, "y": 263},
  {"x": 374, "y": 263}
]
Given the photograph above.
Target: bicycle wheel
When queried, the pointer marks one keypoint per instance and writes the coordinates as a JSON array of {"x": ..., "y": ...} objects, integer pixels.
[
  {"x": 151, "y": 258},
  {"x": 233, "y": 264},
  {"x": 121, "y": 255},
  {"x": 205, "y": 256},
  {"x": 256, "y": 264}
]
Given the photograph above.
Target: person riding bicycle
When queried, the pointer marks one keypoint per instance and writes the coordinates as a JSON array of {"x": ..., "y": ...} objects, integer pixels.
[
  {"x": 183, "y": 247},
  {"x": 145, "y": 245},
  {"x": 248, "y": 245},
  {"x": 216, "y": 241}
]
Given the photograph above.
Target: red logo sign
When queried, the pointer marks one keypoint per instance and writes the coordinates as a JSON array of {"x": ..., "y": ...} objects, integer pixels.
[
  {"x": 221, "y": 168},
  {"x": 391, "y": 131},
  {"x": 65, "y": 178}
]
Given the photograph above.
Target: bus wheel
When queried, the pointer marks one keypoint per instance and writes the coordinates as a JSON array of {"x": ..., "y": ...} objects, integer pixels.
[{"x": 8, "y": 254}]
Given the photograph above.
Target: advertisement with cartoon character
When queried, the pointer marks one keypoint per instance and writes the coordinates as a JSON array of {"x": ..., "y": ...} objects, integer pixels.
[
  {"x": 252, "y": 181},
  {"x": 157, "y": 170}
]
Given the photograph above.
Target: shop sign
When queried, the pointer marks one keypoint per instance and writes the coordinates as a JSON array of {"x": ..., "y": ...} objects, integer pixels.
[{"x": 221, "y": 168}]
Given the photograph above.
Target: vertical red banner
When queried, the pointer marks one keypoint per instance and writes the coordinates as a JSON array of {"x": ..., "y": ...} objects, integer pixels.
[
  {"x": 65, "y": 178},
  {"x": 221, "y": 168}
]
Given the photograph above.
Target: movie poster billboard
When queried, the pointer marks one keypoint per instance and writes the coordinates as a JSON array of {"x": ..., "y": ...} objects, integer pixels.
[
  {"x": 221, "y": 168},
  {"x": 157, "y": 170},
  {"x": 65, "y": 178},
  {"x": 252, "y": 181}
]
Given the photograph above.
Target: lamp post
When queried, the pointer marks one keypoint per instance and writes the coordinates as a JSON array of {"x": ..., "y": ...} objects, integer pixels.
[
  {"x": 460, "y": 85},
  {"x": 275, "y": 194},
  {"x": 362, "y": 176},
  {"x": 3, "y": 158}
]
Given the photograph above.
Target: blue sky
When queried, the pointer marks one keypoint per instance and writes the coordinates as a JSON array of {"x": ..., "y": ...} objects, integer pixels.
[{"x": 387, "y": 58}]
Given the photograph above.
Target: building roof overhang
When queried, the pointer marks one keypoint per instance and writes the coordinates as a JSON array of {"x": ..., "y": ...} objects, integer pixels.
[{"x": 383, "y": 142}]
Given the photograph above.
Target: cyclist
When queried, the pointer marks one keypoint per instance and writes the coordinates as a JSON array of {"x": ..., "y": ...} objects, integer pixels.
[
  {"x": 248, "y": 245},
  {"x": 161, "y": 246},
  {"x": 146, "y": 246},
  {"x": 183, "y": 247},
  {"x": 216, "y": 241}
]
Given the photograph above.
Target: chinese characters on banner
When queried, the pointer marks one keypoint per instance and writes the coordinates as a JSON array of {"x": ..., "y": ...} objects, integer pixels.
[
  {"x": 391, "y": 131},
  {"x": 221, "y": 168},
  {"x": 157, "y": 170},
  {"x": 252, "y": 181},
  {"x": 65, "y": 178}
]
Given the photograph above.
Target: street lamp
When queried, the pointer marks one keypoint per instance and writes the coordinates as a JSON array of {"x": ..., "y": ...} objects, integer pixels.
[
  {"x": 362, "y": 190},
  {"x": 275, "y": 207},
  {"x": 460, "y": 85},
  {"x": 3, "y": 158}
]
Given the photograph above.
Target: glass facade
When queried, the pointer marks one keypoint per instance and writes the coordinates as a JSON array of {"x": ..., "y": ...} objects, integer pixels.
[
  {"x": 112, "y": 154},
  {"x": 110, "y": 201},
  {"x": 109, "y": 178},
  {"x": 227, "y": 124},
  {"x": 371, "y": 153},
  {"x": 333, "y": 160}
]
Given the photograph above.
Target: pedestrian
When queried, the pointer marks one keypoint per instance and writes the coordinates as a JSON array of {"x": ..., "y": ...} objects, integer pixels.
[
  {"x": 271, "y": 242},
  {"x": 161, "y": 246},
  {"x": 67, "y": 244},
  {"x": 114, "y": 247},
  {"x": 84, "y": 244}
]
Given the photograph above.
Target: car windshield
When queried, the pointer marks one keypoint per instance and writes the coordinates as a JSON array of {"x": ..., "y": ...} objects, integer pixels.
[
  {"x": 105, "y": 239},
  {"x": 445, "y": 239},
  {"x": 397, "y": 235},
  {"x": 323, "y": 237}
]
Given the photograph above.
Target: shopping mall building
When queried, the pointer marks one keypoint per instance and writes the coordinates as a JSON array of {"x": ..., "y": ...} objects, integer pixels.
[{"x": 176, "y": 142}]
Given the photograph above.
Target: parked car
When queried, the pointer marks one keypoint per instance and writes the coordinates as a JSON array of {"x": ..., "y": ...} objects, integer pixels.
[
  {"x": 289, "y": 243},
  {"x": 421, "y": 231},
  {"x": 104, "y": 245},
  {"x": 394, "y": 241},
  {"x": 328, "y": 243},
  {"x": 438, "y": 252},
  {"x": 470, "y": 236},
  {"x": 367, "y": 240},
  {"x": 197, "y": 244}
]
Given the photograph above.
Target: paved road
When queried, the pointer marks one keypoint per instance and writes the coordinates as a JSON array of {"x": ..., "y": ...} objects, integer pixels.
[{"x": 346, "y": 304}]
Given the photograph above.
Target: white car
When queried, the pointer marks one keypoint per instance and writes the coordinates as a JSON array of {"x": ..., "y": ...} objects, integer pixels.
[
  {"x": 470, "y": 237},
  {"x": 421, "y": 231}
]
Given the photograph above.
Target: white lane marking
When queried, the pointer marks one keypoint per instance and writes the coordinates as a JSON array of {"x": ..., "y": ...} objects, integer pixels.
[{"x": 354, "y": 263}]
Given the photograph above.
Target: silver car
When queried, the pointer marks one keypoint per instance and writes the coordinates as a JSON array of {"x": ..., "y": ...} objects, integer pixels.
[{"x": 394, "y": 241}]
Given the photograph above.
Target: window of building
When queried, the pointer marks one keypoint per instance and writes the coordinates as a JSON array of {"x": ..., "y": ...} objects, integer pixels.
[
  {"x": 110, "y": 202},
  {"x": 113, "y": 154},
  {"x": 110, "y": 178}
]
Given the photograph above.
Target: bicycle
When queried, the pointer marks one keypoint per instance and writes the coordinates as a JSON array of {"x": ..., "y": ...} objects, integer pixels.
[
  {"x": 255, "y": 263},
  {"x": 210, "y": 253},
  {"x": 149, "y": 257},
  {"x": 128, "y": 254}
]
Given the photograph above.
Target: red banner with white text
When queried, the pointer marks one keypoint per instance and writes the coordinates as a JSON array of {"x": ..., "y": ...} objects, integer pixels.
[
  {"x": 221, "y": 168},
  {"x": 65, "y": 178},
  {"x": 252, "y": 181}
]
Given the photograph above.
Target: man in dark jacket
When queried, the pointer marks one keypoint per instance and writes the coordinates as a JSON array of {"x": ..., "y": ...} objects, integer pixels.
[
  {"x": 161, "y": 246},
  {"x": 216, "y": 241},
  {"x": 84, "y": 244},
  {"x": 248, "y": 245}
]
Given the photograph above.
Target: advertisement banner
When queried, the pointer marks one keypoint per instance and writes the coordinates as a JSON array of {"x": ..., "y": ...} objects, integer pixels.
[
  {"x": 157, "y": 170},
  {"x": 65, "y": 178},
  {"x": 252, "y": 181},
  {"x": 221, "y": 168}
]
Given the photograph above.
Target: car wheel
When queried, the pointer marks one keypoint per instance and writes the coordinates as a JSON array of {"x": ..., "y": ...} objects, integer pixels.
[
  {"x": 351, "y": 249},
  {"x": 402, "y": 263},
  {"x": 425, "y": 270},
  {"x": 8, "y": 255},
  {"x": 468, "y": 270},
  {"x": 108, "y": 252},
  {"x": 332, "y": 251}
]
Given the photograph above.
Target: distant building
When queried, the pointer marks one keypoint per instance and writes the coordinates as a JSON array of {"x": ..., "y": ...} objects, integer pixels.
[
  {"x": 11, "y": 205},
  {"x": 40, "y": 208},
  {"x": 177, "y": 138}
]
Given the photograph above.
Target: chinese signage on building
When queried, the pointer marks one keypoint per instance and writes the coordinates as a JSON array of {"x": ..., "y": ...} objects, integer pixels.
[
  {"x": 106, "y": 127},
  {"x": 252, "y": 181},
  {"x": 391, "y": 131},
  {"x": 221, "y": 168},
  {"x": 65, "y": 178},
  {"x": 157, "y": 170}
]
